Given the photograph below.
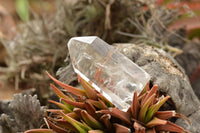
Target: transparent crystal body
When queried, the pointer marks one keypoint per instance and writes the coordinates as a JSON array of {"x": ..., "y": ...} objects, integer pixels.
[{"x": 107, "y": 70}]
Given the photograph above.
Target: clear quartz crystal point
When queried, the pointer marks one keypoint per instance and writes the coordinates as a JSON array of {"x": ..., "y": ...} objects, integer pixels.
[{"x": 109, "y": 72}]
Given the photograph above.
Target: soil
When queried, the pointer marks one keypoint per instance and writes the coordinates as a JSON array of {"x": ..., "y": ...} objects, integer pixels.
[{"x": 7, "y": 92}]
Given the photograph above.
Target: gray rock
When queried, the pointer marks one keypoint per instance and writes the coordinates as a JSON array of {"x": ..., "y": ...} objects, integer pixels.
[
  {"x": 67, "y": 74},
  {"x": 194, "y": 117},
  {"x": 190, "y": 61},
  {"x": 170, "y": 77}
]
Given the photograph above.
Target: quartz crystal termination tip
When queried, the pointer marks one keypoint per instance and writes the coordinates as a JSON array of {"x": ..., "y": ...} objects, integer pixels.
[{"x": 109, "y": 72}]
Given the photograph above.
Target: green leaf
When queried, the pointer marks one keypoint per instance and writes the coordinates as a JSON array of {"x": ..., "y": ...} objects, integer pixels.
[
  {"x": 64, "y": 107},
  {"x": 22, "y": 9},
  {"x": 79, "y": 126},
  {"x": 145, "y": 107},
  {"x": 154, "y": 108},
  {"x": 92, "y": 122}
]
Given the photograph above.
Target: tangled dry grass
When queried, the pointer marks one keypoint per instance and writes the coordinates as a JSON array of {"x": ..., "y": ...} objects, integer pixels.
[{"x": 40, "y": 44}]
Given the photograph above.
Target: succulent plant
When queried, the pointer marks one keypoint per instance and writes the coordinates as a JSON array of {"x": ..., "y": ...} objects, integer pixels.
[{"x": 86, "y": 110}]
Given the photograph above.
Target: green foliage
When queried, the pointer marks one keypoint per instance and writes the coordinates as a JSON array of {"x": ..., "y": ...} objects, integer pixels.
[{"x": 22, "y": 7}]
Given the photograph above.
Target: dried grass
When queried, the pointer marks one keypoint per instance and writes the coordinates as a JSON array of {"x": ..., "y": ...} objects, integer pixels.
[{"x": 41, "y": 44}]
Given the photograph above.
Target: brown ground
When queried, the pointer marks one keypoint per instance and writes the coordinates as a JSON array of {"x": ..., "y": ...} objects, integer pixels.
[{"x": 7, "y": 92}]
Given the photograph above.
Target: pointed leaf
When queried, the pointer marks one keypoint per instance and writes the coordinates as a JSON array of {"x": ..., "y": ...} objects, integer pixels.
[
  {"x": 124, "y": 116},
  {"x": 144, "y": 108},
  {"x": 153, "y": 109},
  {"x": 168, "y": 114},
  {"x": 66, "y": 125},
  {"x": 140, "y": 98},
  {"x": 103, "y": 106},
  {"x": 135, "y": 106},
  {"x": 91, "y": 109},
  {"x": 61, "y": 123},
  {"x": 92, "y": 122},
  {"x": 90, "y": 92},
  {"x": 79, "y": 126},
  {"x": 161, "y": 102},
  {"x": 86, "y": 125},
  {"x": 64, "y": 107},
  {"x": 39, "y": 131},
  {"x": 138, "y": 128},
  {"x": 121, "y": 129},
  {"x": 95, "y": 131},
  {"x": 155, "y": 122},
  {"x": 146, "y": 88},
  {"x": 55, "y": 111},
  {"x": 75, "y": 104},
  {"x": 106, "y": 101},
  {"x": 56, "y": 128},
  {"x": 77, "y": 111},
  {"x": 59, "y": 93},
  {"x": 95, "y": 103},
  {"x": 106, "y": 120},
  {"x": 99, "y": 104},
  {"x": 165, "y": 114},
  {"x": 150, "y": 93},
  {"x": 73, "y": 115},
  {"x": 171, "y": 127},
  {"x": 73, "y": 90}
]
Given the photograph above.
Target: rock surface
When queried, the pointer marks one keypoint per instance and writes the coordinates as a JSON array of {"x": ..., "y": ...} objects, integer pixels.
[
  {"x": 169, "y": 76},
  {"x": 190, "y": 61}
]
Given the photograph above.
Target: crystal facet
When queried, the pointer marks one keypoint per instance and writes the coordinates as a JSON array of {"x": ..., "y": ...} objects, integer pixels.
[{"x": 107, "y": 70}]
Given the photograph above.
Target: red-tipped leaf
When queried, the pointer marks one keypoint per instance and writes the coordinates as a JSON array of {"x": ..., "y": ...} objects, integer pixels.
[
  {"x": 73, "y": 103},
  {"x": 39, "y": 131},
  {"x": 124, "y": 116},
  {"x": 135, "y": 106},
  {"x": 64, "y": 107},
  {"x": 73, "y": 90},
  {"x": 92, "y": 122},
  {"x": 171, "y": 127},
  {"x": 90, "y": 92},
  {"x": 156, "y": 122},
  {"x": 121, "y": 129}
]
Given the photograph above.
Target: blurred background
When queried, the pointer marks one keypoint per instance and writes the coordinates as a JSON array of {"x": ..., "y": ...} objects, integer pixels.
[{"x": 34, "y": 34}]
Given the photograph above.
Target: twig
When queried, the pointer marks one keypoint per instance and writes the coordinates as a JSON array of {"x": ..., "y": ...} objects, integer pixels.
[
  {"x": 16, "y": 82},
  {"x": 130, "y": 35}
]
